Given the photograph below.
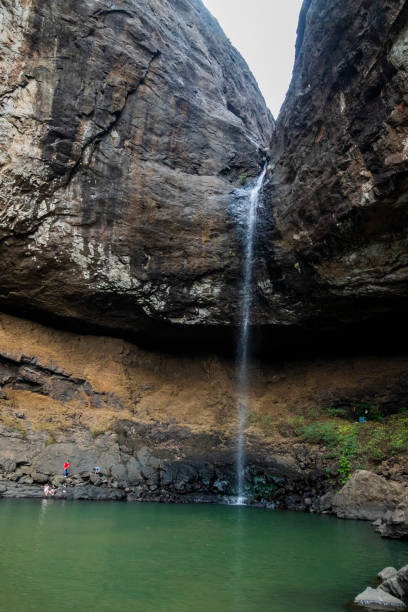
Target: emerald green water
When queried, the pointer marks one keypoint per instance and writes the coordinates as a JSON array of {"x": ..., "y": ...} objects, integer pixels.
[{"x": 156, "y": 558}]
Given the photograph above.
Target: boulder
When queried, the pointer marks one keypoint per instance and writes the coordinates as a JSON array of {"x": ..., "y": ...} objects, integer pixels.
[
  {"x": 38, "y": 477},
  {"x": 325, "y": 502},
  {"x": 95, "y": 479},
  {"x": 376, "y": 599},
  {"x": 397, "y": 584},
  {"x": 367, "y": 496},
  {"x": 8, "y": 465},
  {"x": 134, "y": 471},
  {"x": 386, "y": 573},
  {"x": 403, "y": 579},
  {"x": 393, "y": 587},
  {"x": 394, "y": 524}
]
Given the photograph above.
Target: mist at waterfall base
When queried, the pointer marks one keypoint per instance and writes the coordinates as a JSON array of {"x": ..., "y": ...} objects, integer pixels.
[{"x": 251, "y": 197}]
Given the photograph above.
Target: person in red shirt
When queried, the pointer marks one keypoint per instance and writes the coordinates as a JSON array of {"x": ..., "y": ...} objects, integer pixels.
[{"x": 66, "y": 466}]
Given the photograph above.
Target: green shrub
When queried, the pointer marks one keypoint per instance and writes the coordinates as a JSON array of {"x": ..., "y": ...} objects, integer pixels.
[
  {"x": 353, "y": 409},
  {"x": 292, "y": 426},
  {"x": 344, "y": 469},
  {"x": 348, "y": 438},
  {"x": 354, "y": 445},
  {"x": 337, "y": 412},
  {"x": 321, "y": 432}
]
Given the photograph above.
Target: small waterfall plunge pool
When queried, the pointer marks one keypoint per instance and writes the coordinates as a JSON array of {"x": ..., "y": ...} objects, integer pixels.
[{"x": 103, "y": 556}]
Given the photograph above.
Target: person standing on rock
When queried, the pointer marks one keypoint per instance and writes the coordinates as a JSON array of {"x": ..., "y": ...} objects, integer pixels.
[{"x": 66, "y": 466}]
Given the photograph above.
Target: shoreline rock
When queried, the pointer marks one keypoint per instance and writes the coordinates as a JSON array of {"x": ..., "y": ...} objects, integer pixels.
[
  {"x": 374, "y": 599},
  {"x": 367, "y": 496},
  {"x": 391, "y": 593},
  {"x": 394, "y": 524}
]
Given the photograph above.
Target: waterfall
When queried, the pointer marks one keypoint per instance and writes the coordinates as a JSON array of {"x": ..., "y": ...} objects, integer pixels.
[{"x": 243, "y": 381}]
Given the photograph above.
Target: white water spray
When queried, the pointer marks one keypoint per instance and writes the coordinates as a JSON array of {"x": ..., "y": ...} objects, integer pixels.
[{"x": 243, "y": 381}]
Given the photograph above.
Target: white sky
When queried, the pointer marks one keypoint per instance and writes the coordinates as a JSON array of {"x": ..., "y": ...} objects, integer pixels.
[{"x": 264, "y": 32}]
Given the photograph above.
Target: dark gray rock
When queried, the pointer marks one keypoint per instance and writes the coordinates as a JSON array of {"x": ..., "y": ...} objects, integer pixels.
[
  {"x": 40, "y": 478},
  {"x": 397, "y": 584},
  {"x": 393, "y": 587},
  {"x": 8, "y": 465},
  {"x": 325, "y": 502},
  {"x": 15, "y": 489},
  {"x": 394, "y": 524},
  {"x": 97, "y": 493},
  {"x": 333, "y": 253}
]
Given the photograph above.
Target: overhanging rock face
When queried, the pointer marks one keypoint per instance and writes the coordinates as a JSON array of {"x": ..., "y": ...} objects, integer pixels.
[{"x": 124, "y": 129}]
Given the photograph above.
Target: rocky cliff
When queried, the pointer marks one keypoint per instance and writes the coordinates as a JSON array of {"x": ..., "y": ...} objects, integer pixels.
[
  {"x": 163, "y": 427},
  {"x": 124, "y": 128},
  {"x": 335, "y": 226}
]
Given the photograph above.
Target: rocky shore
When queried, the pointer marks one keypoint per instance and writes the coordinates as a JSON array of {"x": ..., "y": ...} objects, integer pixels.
[
  {"x": 137, "y": 464},
  {"x": 392, "y": 592}
]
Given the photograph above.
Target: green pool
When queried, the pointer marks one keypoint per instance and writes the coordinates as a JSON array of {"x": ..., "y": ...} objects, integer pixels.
[{"x": 82, "y": 556}]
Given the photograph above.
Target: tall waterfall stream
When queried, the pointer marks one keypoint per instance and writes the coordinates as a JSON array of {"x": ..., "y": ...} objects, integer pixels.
[{"x": 243, "y": 379}]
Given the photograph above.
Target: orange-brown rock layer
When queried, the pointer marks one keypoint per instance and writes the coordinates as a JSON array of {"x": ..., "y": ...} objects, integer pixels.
[{"x": 141, "y": 415}]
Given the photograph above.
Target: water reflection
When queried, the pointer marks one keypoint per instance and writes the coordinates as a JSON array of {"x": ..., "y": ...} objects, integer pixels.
[
  {"x": 238, "y": 558},
  {"x": 43, "y": 511}
]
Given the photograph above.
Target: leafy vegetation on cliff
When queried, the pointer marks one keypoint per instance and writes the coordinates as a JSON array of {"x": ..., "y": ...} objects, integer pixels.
[
  {"x": 357, "y": 444},
  {"x": 358, "y": 435}
]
